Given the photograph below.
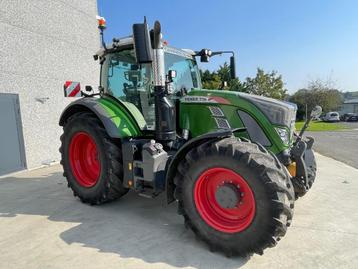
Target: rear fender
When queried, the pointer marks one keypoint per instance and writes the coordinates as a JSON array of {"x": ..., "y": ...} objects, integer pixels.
[{"x": 115, "y": 118}]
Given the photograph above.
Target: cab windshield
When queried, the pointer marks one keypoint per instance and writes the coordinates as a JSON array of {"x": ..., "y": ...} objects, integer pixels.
[
  {"x": 121, "y": 75},
  {"x": 187, "y": 72}
]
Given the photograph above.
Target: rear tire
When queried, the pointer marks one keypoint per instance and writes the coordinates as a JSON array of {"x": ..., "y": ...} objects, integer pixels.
[
  {"x": 263, "y": 220},
  {"x": 91, "y": 160}
]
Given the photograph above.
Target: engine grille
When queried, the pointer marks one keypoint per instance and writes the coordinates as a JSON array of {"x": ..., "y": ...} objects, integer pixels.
[
  {"x": 216, "y": 111},
  {"x": 222, "y": 123}
]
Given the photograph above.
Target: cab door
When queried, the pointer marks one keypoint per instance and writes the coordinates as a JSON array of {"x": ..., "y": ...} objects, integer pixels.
[{"x": 131, "y": 84}]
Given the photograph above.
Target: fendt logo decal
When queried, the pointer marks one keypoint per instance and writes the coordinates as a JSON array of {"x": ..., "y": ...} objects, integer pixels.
[
  {"x": 204, "y": 99},
  {"x": 72, "y": 89}
]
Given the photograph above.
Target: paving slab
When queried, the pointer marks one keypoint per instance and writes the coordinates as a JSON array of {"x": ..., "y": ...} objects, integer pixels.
[{"x": 43, "y": 226}]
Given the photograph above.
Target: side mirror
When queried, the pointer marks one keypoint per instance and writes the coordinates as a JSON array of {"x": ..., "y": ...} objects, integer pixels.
[
  {"x": 142, "y": 44},
  {"x": 316, "y": 112},
  {"x": 172, "y": 74},
  {"x": 205, "y": 55},
  {"x": 232, "y": 67}
]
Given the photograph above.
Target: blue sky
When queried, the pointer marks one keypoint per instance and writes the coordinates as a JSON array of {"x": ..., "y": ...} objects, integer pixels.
[{"x": 302, "y": 40}]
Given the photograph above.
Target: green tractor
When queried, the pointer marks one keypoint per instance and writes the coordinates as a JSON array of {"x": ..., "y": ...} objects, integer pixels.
[{"x": 230, "y": 160}]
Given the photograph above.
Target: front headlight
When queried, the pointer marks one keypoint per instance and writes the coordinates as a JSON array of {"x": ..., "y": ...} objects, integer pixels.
[{"x": 284, "y": 134}]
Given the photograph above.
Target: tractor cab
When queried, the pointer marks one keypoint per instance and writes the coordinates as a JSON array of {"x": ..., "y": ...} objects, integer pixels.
[{"x": 132, "y": 83}]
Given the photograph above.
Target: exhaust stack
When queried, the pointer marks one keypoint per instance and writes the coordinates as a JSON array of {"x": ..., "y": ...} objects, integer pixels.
[
  {"x": 165, "y": 121},
  {"x": 149, "y": 49}
]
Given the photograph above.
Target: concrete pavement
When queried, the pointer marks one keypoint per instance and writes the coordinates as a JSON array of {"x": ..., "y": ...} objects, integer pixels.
[{"x": 43, "y": 226}]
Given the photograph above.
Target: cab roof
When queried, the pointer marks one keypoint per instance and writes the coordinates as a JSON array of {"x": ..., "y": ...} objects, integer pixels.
[{"x": 128, "y": 42}]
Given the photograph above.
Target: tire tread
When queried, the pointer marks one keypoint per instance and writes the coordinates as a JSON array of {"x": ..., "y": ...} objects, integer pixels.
[
  {"x": 113, "y": 187},
  {"x": 273, "y": 175}
]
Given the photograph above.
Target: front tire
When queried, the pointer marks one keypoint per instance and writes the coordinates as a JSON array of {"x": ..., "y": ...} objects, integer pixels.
[
  {"x": 91, "y": 160},
  {"x": 235, "y": 196}
]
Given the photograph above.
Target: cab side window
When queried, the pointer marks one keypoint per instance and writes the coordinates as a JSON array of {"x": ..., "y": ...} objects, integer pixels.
[{"x": 131, "y": 83}]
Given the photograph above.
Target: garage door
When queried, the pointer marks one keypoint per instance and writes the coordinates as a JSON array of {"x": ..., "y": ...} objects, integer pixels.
[{"x": 12, "y": 157}]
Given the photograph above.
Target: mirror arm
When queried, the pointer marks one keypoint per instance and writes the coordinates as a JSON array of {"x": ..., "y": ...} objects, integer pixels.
[
  {"x": 199, "y": 53},
  {"x": 309, "y": 120},
  {"x": 205, "y": 54},
  {"x": 223, "y": 52},
  {"x": 232, "y": 61},
  {"x": 305, "y": 127}
]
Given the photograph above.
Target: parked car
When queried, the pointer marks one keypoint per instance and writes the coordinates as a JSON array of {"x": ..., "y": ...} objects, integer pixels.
[
  {"x": 349, "y": 117},
  {"x": 331, "y": 117}
]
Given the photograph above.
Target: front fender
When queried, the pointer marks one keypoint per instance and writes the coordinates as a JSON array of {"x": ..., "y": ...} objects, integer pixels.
[
  {"x": 180, "y": 154},
  {"x": 114, "y": 116}
]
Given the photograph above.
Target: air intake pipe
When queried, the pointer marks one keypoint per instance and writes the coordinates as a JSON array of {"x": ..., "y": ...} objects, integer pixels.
[{"x": 165, "y": 121}]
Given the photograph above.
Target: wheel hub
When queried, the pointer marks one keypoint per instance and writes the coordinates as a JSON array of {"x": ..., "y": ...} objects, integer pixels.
[{"x": 228, "y": 195}]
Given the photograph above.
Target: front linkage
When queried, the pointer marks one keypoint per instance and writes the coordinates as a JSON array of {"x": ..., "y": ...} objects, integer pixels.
[{"x": 302, "y": 155}]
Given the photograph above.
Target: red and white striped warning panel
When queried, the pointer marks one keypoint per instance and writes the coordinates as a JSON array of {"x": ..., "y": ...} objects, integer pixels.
[{"x": 72, "y": 89}]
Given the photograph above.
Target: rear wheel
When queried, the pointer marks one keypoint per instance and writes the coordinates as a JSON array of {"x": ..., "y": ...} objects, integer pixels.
[
  {"x": 235, "y": 196},
  {"x": 91, "y": 160}
]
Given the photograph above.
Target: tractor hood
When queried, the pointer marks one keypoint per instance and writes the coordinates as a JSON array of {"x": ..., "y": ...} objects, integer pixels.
[{"x": 277, "y": 112}]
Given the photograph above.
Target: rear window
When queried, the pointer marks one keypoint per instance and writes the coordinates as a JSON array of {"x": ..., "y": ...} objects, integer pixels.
[{"x": 334, "y": 114}]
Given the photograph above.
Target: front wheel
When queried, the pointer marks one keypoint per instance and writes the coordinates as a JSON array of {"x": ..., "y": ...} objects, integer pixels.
[
  {"x": 91, "y": 160},
  {"x": 235, "y": 196}
]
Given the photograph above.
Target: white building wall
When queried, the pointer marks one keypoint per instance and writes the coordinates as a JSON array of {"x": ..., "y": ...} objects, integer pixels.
[
  {"x": 43, "y": 43},
  {"x": 348, "y": 108}
]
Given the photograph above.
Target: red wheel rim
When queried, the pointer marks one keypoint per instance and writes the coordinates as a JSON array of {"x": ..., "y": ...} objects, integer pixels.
[
  {"x": 84, "y": 159},
  {"x": 229, "y": 220}
]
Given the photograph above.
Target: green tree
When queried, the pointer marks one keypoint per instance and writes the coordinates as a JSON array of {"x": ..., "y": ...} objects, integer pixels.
[
  {"x": 305, "y": 101},
  {"x": 233, "y": 84},
  {"x": 317, "y": 92},
  {"x": 215, "y": 79},
  {"x": 224, "y": 72},
  {"x": 210, "y": 80},
  {"x": 266, "y": 84}
]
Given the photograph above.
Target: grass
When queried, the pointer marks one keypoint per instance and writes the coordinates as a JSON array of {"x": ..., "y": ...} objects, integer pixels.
[{"x": 319, "y": 126}]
